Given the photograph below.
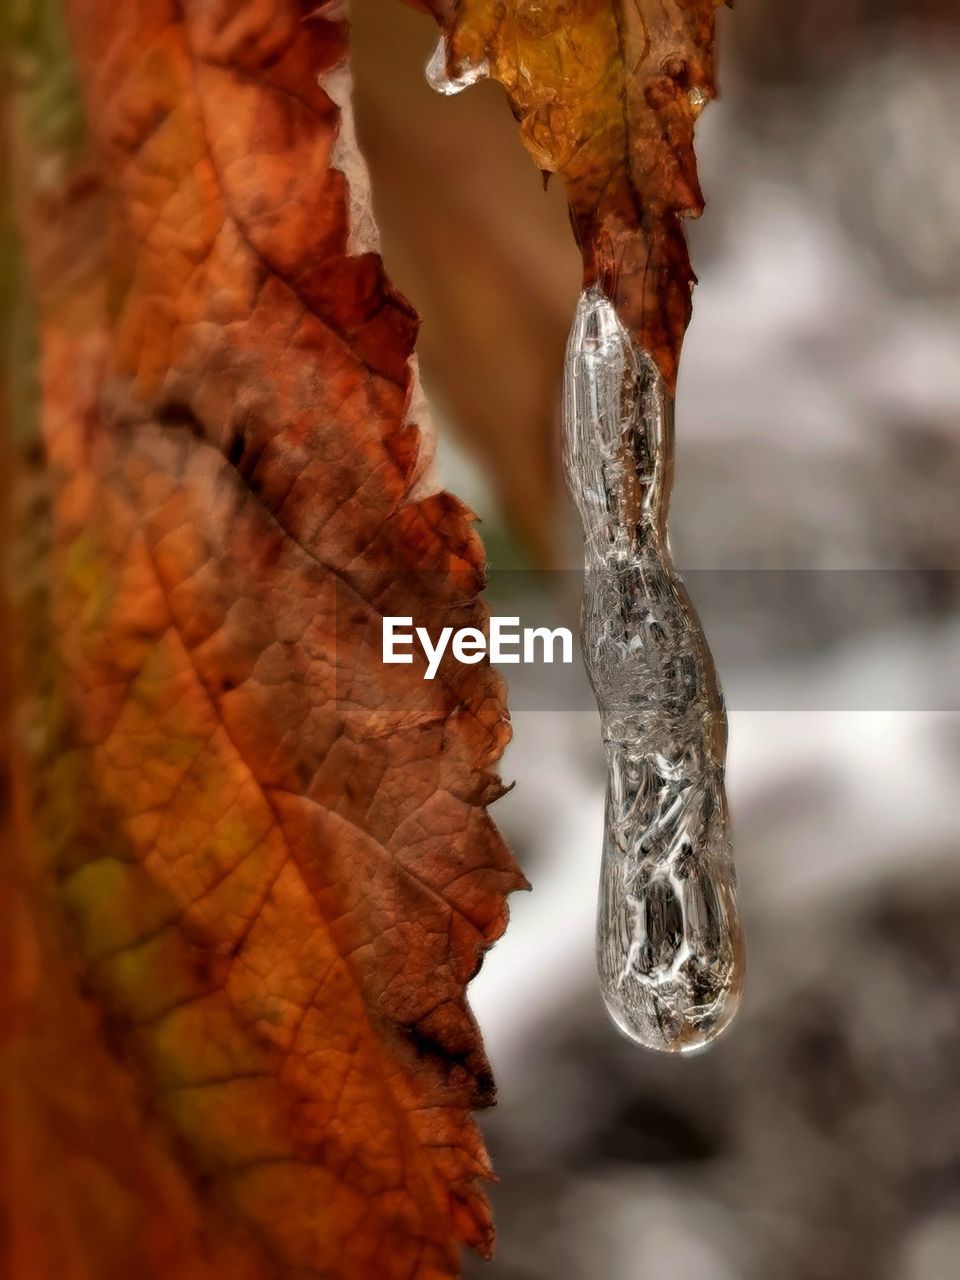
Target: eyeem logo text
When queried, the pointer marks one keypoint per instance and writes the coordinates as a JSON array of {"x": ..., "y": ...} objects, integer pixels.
[{"x": 508, "y": 642}]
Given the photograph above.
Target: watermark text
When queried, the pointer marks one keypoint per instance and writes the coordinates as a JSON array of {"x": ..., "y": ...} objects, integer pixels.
[{"x": 506, "y": 643}]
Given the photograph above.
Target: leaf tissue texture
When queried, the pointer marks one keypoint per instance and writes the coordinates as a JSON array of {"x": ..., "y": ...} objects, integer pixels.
[
  {"x": 607, "y": 93},
  {"x": 250, "y": 1055}
]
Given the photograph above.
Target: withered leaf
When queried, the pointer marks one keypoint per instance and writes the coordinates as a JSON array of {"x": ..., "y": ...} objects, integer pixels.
[
  {"x": 273, "y": 850},
  {"x": 607, "y": 93}
]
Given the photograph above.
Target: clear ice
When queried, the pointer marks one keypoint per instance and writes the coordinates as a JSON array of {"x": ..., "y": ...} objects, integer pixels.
[
  {"x": 448, "y": 81},
  {"x": 669, "y": 942}
]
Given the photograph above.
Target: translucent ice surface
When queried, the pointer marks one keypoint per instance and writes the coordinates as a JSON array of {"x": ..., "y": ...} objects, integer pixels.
[
  {"x": 669, "y": 942},
  {"x": 448, "y": 81}
]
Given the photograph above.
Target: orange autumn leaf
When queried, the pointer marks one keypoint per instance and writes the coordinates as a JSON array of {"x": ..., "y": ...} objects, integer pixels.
[
  {"x": 250, "y": 1054},
  {"x": 607, "y": 94}
]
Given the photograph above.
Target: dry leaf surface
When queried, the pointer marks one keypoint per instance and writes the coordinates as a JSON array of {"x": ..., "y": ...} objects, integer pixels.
[
  {"x": 607, "y": 93},
  {"x": 274, "y": 851}
]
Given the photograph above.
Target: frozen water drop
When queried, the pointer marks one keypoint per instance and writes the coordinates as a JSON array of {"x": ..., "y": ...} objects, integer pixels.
[
  {"x": 449, "y": 80},
  {"x": 697, "y": 99},
  {"x": 669, "y": 942}
]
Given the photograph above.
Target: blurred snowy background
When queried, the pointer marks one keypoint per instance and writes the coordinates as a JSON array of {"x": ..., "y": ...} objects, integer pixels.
[{"x": 818, "y": 429}]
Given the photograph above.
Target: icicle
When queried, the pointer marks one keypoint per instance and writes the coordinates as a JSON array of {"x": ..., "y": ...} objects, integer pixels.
[
  {"x": 447, "y": 79},
  {"x": 669, "y": 943}
]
